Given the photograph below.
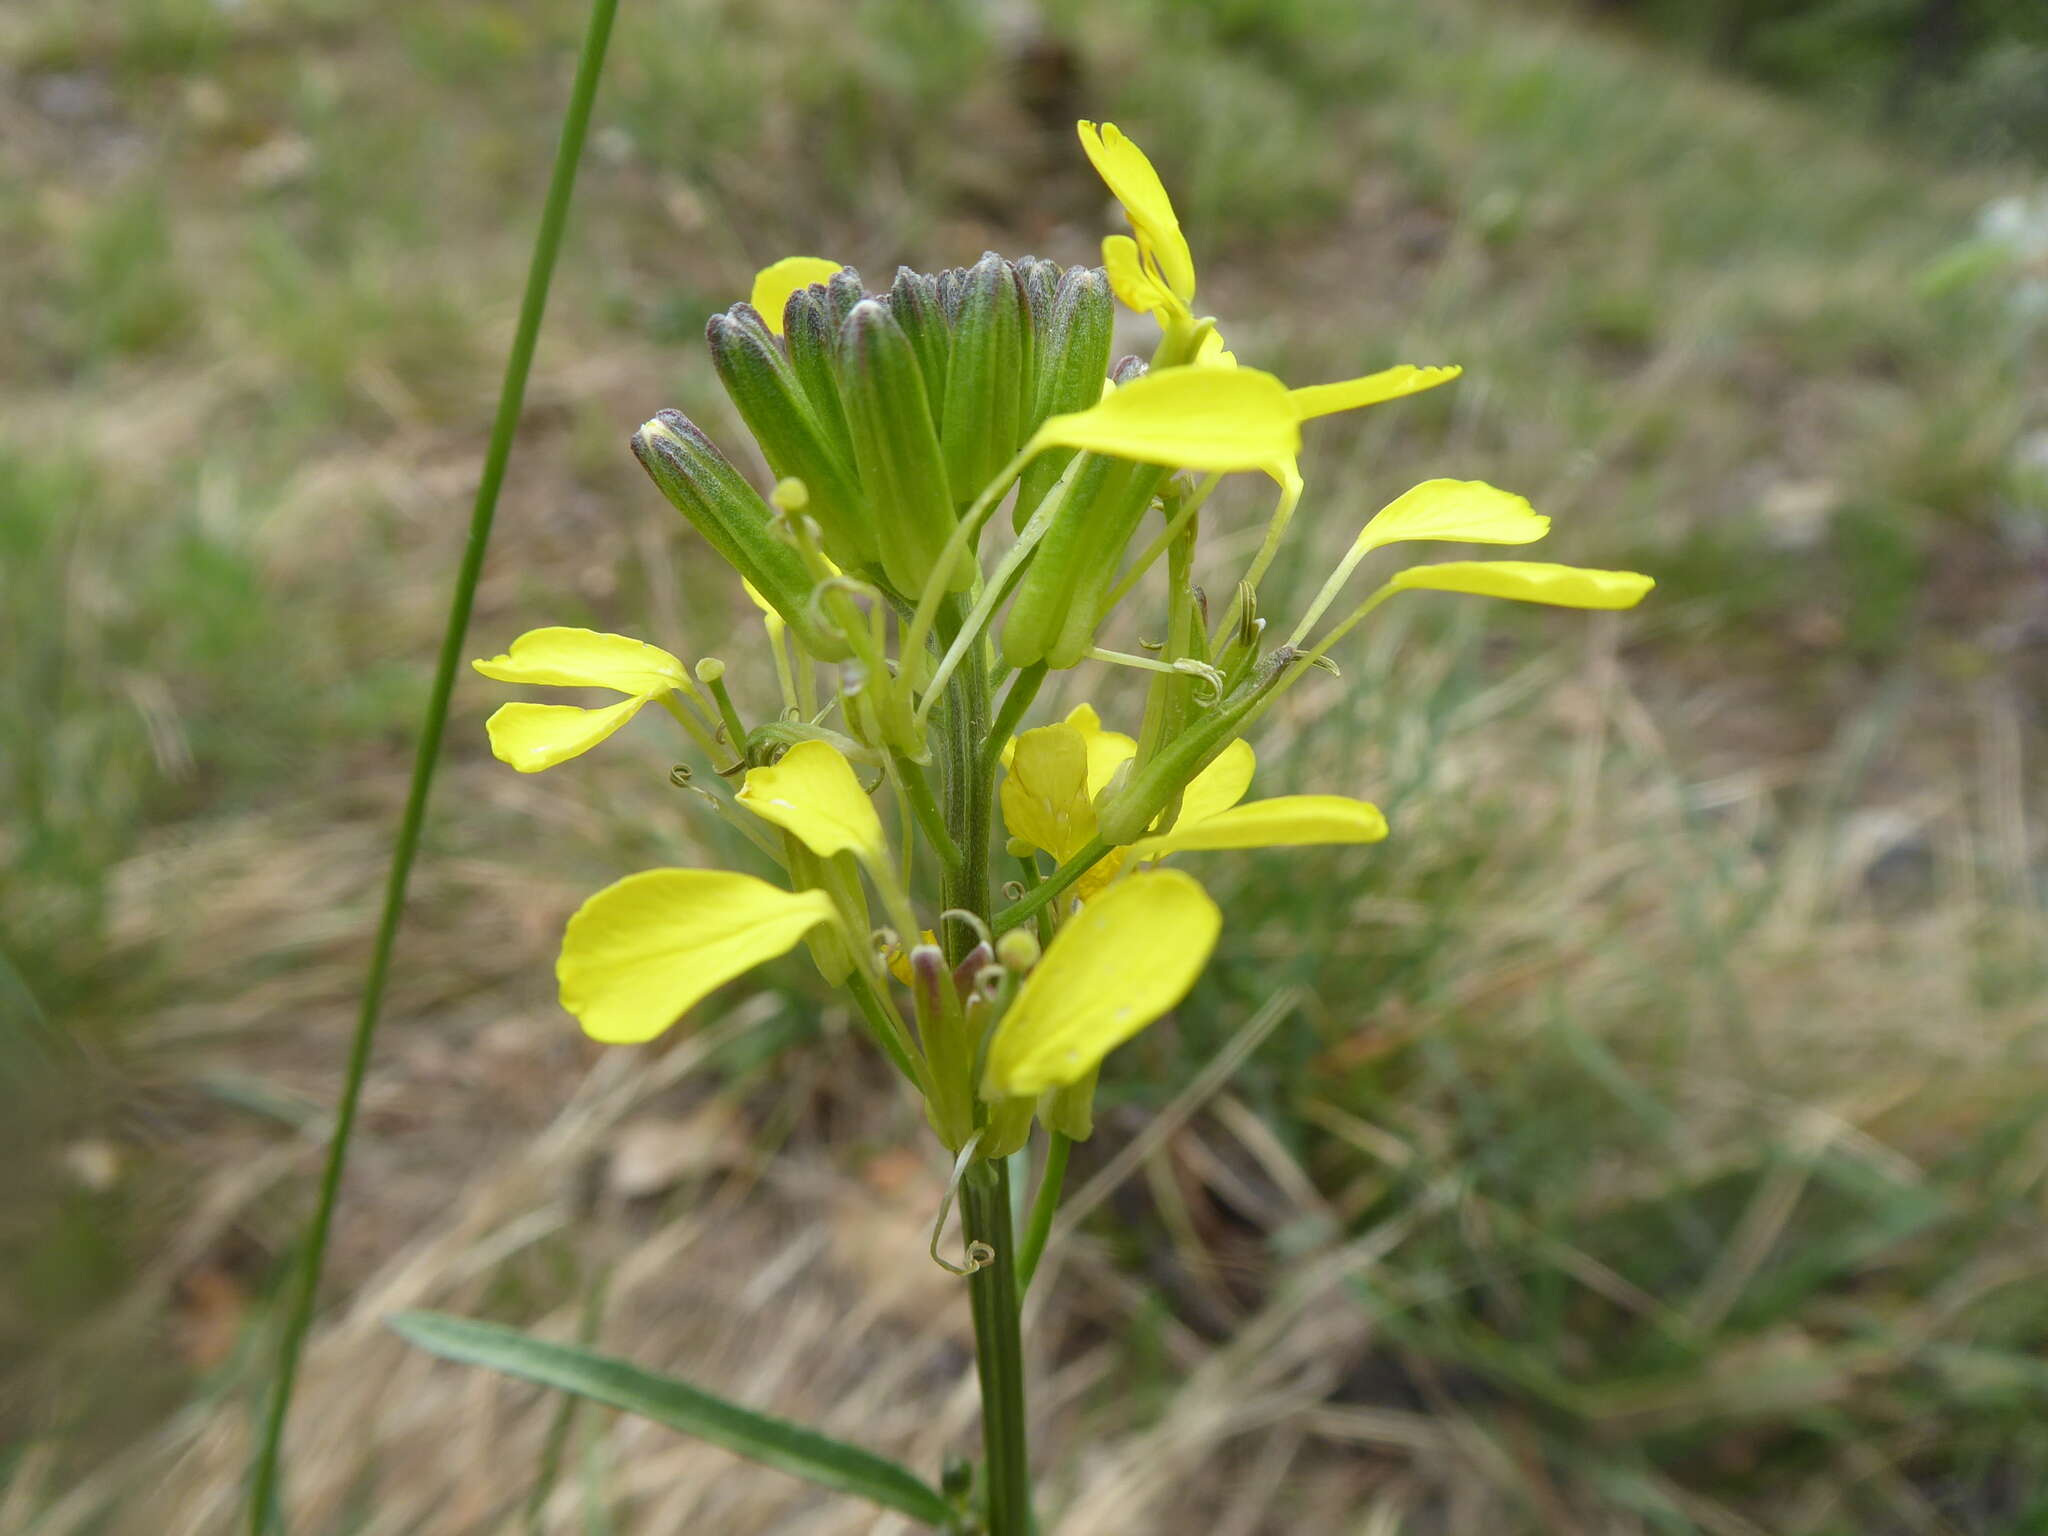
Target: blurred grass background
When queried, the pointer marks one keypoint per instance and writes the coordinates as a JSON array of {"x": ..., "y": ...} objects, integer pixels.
[{"x": 1652, "y": 1136}]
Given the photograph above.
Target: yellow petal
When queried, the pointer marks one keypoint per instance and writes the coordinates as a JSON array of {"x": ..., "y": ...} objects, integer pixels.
[
  {"x": 899, "y": 959},
  {"x": 1372, "y": 389},
  {"x": 1529, "y": 581},
  {"x": 1045, "y": 794},
  {"x": 1118, "y": 964},
  {"x": 812, "y": 792},
  {"x": 1107, "y": 750},
  {"x": 1129, "y": 281},
  {"x": 583, "y": 658},
  {"x": 640, "y": 953},
  {"x": 535, "y": 736},
  {"x": 1220, "y": 785},
  {"x": 1133, "y": 182},
  {"x": 774, "y": 283},
  {"x": 1286, "y": 821},
  {"x": 1211, "y": 419},
  {"x": 1099, "y": 874},
  {"x": 1467, "y": 510},
  {"x": 1211, "y": 353}
]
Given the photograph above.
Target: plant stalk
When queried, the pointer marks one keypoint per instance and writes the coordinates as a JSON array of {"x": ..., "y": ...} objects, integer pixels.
[
  {"x": 985, "y": 1216},
  {"x": 998, "y": 1347}
]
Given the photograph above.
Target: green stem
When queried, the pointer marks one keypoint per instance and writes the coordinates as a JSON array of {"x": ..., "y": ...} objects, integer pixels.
[
  {"x": 263, "y": 1485},
  {"x": 997, "y": 1300},
  {"x": 917, "y": 790},
  {"x": 1053, "y": 884},
  {"x": 967, "y": 785},
  {"x": 1043, "y": 1205},
  {"x": 969, "y": 772},
  {"x": 1022, "y": 691}
]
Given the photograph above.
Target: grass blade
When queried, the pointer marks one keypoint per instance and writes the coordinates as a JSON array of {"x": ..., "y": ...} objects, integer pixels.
[
  {"x": 263, "y": 1489},
  {"x": 602, "y": 1378}
]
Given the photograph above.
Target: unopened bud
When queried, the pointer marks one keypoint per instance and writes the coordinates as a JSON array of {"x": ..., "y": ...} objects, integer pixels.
[
  {"x": 698, "y": 481},
  {"x": 897, "y": 449},
  {"x": 914, "y": 301},
  {"x": 794, "y": 437},
  {"x": 1018, "y": 950},
  {"x": 972, "y": 964},
  {"x": 1127, "y": 368},
  {"x": 987, "y": 384},
  {"x": 928, "y": 975},
  {"x": 1072, "y": 361},
  {"x": 810, "y": 331}
]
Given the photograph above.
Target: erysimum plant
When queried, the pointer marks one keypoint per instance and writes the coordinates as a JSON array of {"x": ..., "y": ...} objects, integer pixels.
[{"x": 1003, "y": 904}]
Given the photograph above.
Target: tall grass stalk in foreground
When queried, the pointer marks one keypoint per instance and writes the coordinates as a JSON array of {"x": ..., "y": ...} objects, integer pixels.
[
  {"x": 907, "y": 658},
  {"x": 547, "y": 244}
]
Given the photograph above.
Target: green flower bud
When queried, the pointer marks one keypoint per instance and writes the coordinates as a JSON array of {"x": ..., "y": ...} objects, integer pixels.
[
  {"x": 810, "y": 330},
  {"x": 778, "y": 411},
  {"x": 1072, "y": 363},
  {"x": 842, "y": 291},
  {"x": 914, "y": 301},
  {"x": 952, "y": 284},
  {"x": 896, "y": 448},
  {"x": 690, "y": 471},
  {"x": 829, "y": 949},
  {"x": 986, "y": 382}
]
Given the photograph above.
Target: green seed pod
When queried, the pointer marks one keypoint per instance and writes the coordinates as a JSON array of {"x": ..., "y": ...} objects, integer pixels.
[
  {"x": 986, "y": 382},
  {"x": 1126, "y": 814},
  {"x": 778, "y": 411},
  {"x": 696, "y": 478},
  {"x": 897, "y": 449},
  {"x": 1072, "y": 364},
  {"x": 810, "y": 331},
  {"x": 1039, "y": 609},
  {"x": 914, "y": 301}
]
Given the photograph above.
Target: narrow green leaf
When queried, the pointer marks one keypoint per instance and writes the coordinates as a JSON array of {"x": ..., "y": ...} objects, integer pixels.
[{"x": 773, "y": 1442}]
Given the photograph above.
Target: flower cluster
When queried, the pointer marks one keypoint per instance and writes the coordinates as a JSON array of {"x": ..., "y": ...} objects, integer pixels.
[{"x": 908, "y": 655}]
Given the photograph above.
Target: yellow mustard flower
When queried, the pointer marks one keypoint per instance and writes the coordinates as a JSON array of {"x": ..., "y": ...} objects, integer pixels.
[
  {"x": 531, "y": 737},
  {"x": 1122, "y": 961},
  {"x": 774, "y": 283},
  {"x": 1056, "y": 771}
]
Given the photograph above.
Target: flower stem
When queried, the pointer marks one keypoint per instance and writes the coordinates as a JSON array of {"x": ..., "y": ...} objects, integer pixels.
[
  {"x": 996, "y": 1299},
  {"x": 1043, "y": 1205},
  {"x": 263, "y": 1484},
  {"x": 985, "y": 1216}
]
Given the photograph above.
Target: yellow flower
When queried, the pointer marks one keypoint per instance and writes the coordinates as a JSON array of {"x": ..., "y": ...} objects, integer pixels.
[
  {"x": 774, "y": 283},
  {"x": 1122, "y": 961},
  {"x": 535, "y": 736},
  {"x": 1057, "y": 771},
  {"x": 1155, "y": 271},
  {"x": 640, "y": 953}
]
